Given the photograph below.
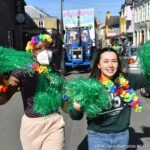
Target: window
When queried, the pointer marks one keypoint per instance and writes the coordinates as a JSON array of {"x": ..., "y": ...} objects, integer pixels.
[{"x": 41, "y": 24}]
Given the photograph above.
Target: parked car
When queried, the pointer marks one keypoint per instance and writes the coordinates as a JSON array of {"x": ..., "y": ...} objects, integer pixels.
[
  {"x": 131, "y": 64},
  {"x": 145, "y": 91},
  {"x": 130, "y": 61}
]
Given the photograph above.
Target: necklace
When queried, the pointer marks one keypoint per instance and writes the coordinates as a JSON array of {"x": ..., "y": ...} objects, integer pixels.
[
  {"x": 40, "y": 68},
  {"x": 124, "y": 91}
]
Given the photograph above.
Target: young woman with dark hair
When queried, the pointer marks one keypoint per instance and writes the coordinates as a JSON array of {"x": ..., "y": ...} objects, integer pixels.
[{"x": 109, "y": 130}]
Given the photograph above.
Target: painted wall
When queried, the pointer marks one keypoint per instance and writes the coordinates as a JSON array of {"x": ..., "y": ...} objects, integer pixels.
[{"x": 70, "y": 19}]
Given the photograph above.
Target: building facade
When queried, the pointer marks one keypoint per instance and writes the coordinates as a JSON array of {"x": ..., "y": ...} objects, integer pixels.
[
  {"x": 141, "y": 21},
  {"x": 38, "y": 22},
  {"x": 126, "y": 18},
  {"x": 18, "y": 24},
  {"x": 12, "y": 17}
]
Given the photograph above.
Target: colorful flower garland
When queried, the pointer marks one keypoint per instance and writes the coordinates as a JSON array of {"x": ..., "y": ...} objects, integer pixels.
[
  {"x": 124, "y": 91},
  {"x": 39, "y": 68},
  {"x": 36, "y": 39}
]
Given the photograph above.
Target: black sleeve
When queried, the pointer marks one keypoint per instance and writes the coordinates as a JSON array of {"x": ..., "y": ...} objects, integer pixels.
[
  {"x": 76, "y": 115},
  {"x": 138, "y": 81},
  {"x": 17, "y": 73}
]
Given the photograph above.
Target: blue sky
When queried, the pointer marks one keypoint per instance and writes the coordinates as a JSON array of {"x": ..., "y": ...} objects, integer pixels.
[{"x": 52, "y": 7}]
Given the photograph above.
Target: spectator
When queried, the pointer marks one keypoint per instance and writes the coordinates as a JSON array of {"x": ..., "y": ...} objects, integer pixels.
[{"x": 42, "y": 126}]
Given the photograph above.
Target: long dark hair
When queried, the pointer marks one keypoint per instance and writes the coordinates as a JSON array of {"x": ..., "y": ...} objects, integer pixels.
[{"x": 96, "y": 72}]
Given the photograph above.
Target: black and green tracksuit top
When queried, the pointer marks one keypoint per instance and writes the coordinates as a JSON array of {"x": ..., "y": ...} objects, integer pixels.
[{"x": 117, "y": 118}]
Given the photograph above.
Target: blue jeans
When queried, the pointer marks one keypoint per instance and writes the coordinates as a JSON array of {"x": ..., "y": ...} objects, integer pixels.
[{"x": 108, "y": 141}]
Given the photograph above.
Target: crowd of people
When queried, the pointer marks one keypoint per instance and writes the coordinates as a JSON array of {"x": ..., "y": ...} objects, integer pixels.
[
  {"x": 121, "y": 46},
  {"x": 41, "y": 86}
]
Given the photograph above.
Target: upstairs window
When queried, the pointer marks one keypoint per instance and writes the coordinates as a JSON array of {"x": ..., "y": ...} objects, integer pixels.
[{"x": 41, "y": 24}]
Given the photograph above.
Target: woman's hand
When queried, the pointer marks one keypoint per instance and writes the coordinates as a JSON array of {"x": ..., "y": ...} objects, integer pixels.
[
  {"x": 3, "y": 84},
  {"x": 77, "y": 106},
  {"x": 8, "y": 88}
]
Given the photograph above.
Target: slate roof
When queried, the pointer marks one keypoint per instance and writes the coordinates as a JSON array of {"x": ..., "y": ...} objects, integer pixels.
[
  {"x": 136, "y": 1},
  {"x": 34, "y": 12},
  {"x": 128, "y": 2}
]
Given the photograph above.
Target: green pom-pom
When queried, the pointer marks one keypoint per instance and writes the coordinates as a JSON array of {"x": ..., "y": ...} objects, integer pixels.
[
  {"x": 145, "y": 58},
  {"x": 11, "y": 59},
  {"x": 89, "y": 93},
  {"x": 48, "y": 94}
]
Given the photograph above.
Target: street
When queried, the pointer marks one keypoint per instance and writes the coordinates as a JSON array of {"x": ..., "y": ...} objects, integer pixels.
[
  {"x": 75, "y": 131},
  {"x": 67, "y": 34}
]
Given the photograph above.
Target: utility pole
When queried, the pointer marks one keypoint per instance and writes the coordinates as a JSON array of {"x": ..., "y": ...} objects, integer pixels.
[
  {"x": 62, "y": 26},
  {"x": 62, "y": 39}
]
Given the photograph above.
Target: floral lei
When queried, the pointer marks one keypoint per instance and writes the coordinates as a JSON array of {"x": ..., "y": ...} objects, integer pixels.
[
  {"x": 123, "y": 90},
  {"x": 39, "y": 68}
]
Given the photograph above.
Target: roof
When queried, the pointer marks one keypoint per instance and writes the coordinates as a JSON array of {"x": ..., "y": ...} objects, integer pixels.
[
  {"x": 128, "y": 2},
  {"x": 137, "y": 0},
  {"x": 34, "y": 12},
  {"x": 113, "y": 21}
]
